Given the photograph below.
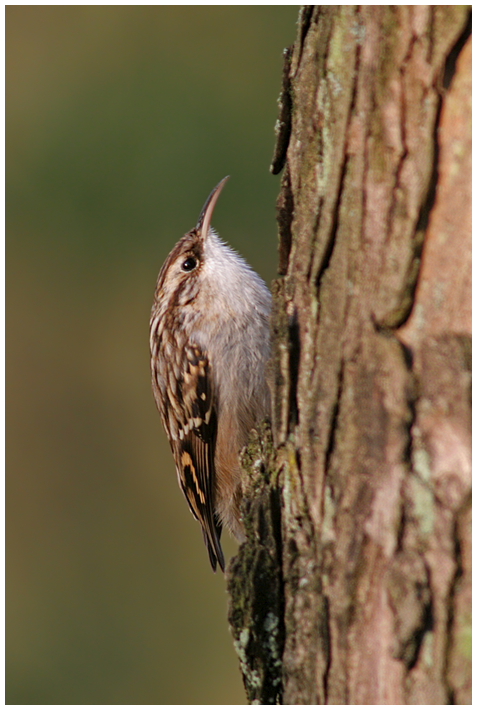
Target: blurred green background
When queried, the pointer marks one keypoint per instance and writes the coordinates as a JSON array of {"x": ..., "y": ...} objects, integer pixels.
[{"x": 120, "y": 120}]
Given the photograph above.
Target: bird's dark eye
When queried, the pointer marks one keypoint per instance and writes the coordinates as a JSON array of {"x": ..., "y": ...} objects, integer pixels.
[{"x": 189, "y": 264}]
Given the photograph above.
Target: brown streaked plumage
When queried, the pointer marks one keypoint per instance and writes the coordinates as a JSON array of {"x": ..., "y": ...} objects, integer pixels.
[{"x": 209, "y": 340}]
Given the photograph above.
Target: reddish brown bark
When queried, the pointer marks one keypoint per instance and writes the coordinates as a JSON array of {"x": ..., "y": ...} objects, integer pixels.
[{"x": 370, "y": 572}]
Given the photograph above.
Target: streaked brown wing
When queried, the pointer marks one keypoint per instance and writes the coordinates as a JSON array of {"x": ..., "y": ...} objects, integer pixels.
[
  {"x": 195, "y": 469},
  {"x": 190, "y": 420}
]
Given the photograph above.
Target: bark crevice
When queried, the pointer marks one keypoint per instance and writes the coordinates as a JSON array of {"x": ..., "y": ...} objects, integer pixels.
[{"x": 370, "y": 370}]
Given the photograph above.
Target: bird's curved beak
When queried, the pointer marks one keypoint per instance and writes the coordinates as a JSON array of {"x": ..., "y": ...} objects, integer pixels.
[{"x": 208, "y": 209}]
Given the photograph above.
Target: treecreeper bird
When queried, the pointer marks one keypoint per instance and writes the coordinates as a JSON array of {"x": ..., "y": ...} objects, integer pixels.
[{"x": 210, "y": 342}]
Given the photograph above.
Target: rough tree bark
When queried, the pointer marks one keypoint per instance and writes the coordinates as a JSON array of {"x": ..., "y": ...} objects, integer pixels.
[{"x": 354, "y": 584}]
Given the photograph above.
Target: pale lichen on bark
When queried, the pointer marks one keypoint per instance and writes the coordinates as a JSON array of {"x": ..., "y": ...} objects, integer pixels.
[{"x": 254, "y": 577}]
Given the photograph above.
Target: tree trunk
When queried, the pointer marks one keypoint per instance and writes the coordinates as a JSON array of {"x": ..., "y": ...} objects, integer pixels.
[{"x": 354, "y": 585}]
